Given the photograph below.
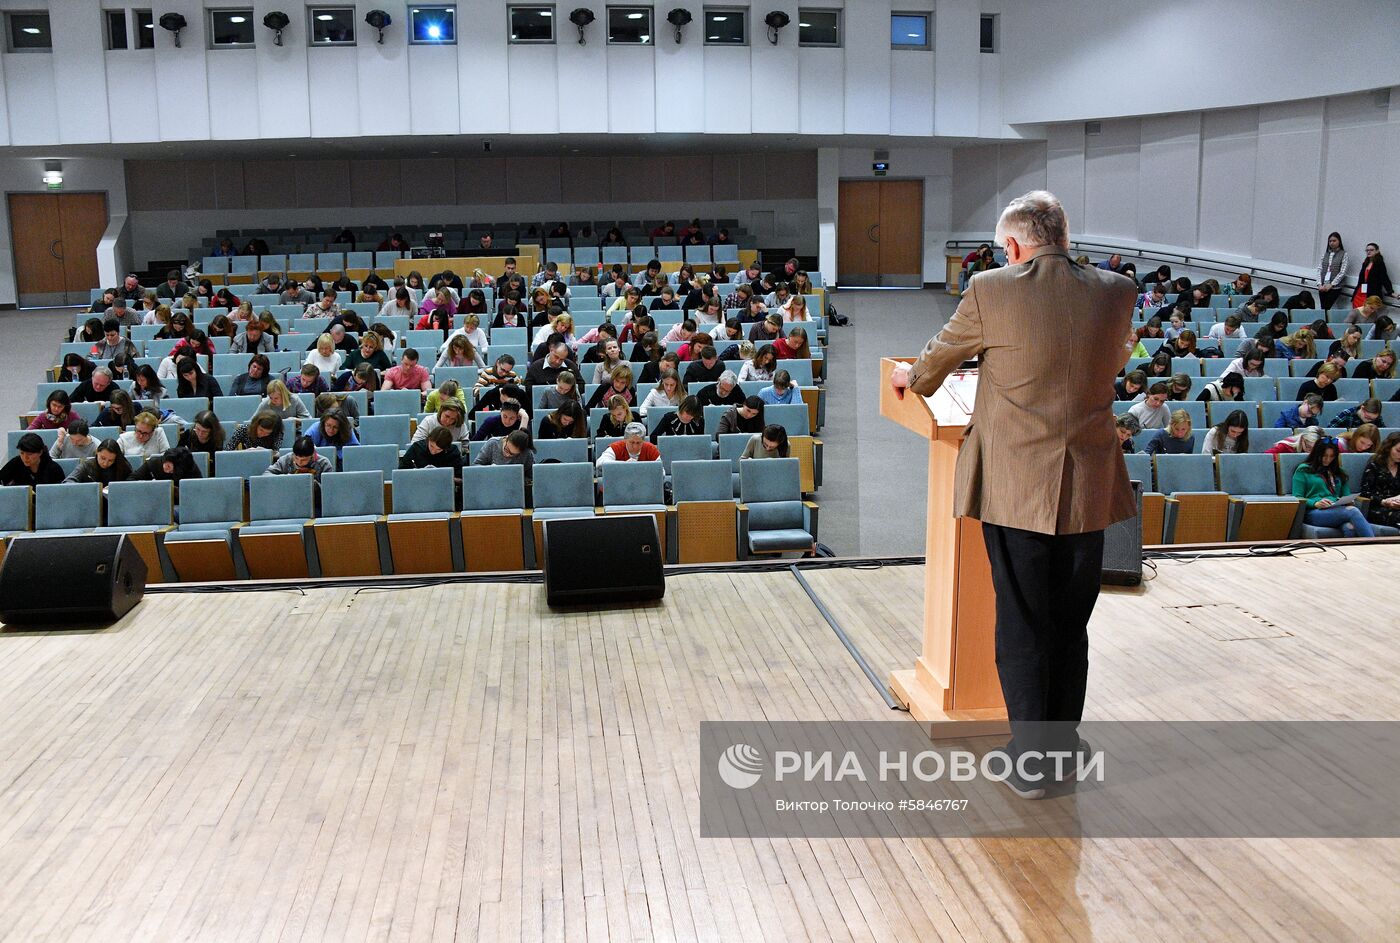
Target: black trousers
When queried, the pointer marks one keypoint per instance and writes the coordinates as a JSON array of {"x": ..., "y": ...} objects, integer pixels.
[
  {"x": 1328, "y": 298},
  {"x": 1046, "y": 587}
]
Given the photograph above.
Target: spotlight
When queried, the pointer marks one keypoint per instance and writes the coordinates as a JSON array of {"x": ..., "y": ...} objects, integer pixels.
[
  {"x": 277, "y": 21},
  {"x": 581, "y": 17},
  {"x": 776, "y": 21},
  {"x": 173, "y": 22},
  {"x": 678, "y": 18},
  {"x": 378, "y": 20}
]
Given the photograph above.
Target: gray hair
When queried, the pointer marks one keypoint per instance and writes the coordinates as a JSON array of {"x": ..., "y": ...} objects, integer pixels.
[
  {"x": 635, "y": 429},
  {"x": 728, "y": 377},
  {"x": 106, "y": 372},
  {"x": 1035, "y": 219}
]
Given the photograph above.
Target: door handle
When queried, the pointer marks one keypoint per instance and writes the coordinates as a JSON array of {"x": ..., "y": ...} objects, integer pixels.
[
  {"x": 873, "y": 233},
  {"x": 56, "y": 242}
]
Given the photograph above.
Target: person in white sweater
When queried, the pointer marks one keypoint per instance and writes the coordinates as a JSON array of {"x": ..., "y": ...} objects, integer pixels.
[
  {"x": 669, "y": 391},
  {"x": 1151, "y": 411},
  {"x": 144, "y": 439},
  {"x": 325, "y": 357}
]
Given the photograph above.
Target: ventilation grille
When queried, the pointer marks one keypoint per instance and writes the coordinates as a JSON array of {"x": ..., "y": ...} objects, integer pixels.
[{"x": 1093, "y": 127}]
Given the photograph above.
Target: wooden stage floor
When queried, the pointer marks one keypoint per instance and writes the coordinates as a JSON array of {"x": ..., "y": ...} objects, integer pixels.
[{"x": 456, "y": 762}]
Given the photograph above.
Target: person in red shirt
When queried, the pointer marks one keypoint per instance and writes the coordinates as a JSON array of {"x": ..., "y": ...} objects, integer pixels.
[
  {"x": 408, "y": 375},
  {"x": 794, "y": 346},
  {"x": 634, "y": 447}
]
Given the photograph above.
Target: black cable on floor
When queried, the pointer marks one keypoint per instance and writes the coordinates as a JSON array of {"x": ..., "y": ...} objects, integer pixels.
[{"x": 846, "y": 641}]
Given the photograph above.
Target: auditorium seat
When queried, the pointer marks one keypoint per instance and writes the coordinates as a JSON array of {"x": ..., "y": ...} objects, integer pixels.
[
  {"x": 492, "y": 521},
  {"x": 143, "y": 510},
  {"x": 201, "y": 547},
  {"x": 1257, "y": 511},
  {"x": 16, "y": 513},
  {"x": 1196, "y": 510},
  {"x": 347, "y": 537},
  {"x": 280, "y": 509},
  {"x": 67, "y": 508},
  {"x": 385, "y": 430},
  {"x": 637, "y": 488},
  {"x": 773, "y": 518},
  {"x": 561, "y": 491},
  {"x": 705, "y": 516},
  {"x": 419, "y": 529},
  {"x": 397, "y": 402},
  {"x": 245, "y": 463},
  {"x": 562, "y": 450}
]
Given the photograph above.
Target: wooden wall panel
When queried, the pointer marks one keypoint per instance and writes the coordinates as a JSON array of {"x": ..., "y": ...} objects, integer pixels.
[
  {"x": 375, "y": 183},
  {"x": 322, "y": 183},
  {"x": 688, "y": 178},
  {"x": 585, "y": 179},
  {"x": 481, "y": 180},
  {"x": 270, "y": 184},
  {"x": 532, "y": 180}
]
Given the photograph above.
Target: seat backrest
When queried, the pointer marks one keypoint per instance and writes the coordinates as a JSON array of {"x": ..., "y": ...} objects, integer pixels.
[
  {"x": 1288, "y": 463},
  {"x": 362, "y": 458},
  {"x": 793, "y": 417},
  {"x": 15, "y": 507},
  {"x": 352, "y": 494},
  {"x": 1331, "y": 410},
  {"x": 245, "y": 463},
  {"x": 140, "y": 503},
  {"x": 211, "y": 500},
  {"x": 1185, "y": 473},
  {"x": 509, "y": 335},
  {"x": 562, "y": 450},
  {"x": 67, "y": 505},
  {"x": 1260, "y": 388},
  {"x": 1300, "y": 366},
  {"x": 1288, "y": 386},
  {"x": 423, "y": 490},
  {"x": 770, "y": 479},
  {"x": 235, "y": 408},
  {"x": 384, "y": 430},
  {"x": 1270, "y": 410},
  {"x": 706, "y": 480},
  {"x": 1354, "y": 464},
  {"x": 279, "y": 497},
  {"x": 1252, "y": 473},
  {"x": 632, "y": 483},
  {"x": 493, "y": 487},
  {"x": 397, "y": 402},
  {"x": 1140, "y": 469},
  {"x": 684, "y": 448},
  {"x": 566, "y": 485},
  {"x": 775, "y": 515},
  {"x": 1353, "y": 389},
  {"x": 799, "y": 370},
  {"x": 232, "y": 363},
  {"x": 465, "y": 377}
]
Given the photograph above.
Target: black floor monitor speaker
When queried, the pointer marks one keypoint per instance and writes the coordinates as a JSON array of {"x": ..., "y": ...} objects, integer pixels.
[
  {"x": 1122, "y": 547},
  {"x": 598, "y": 561},
  {"x": 79, "y": 578}
]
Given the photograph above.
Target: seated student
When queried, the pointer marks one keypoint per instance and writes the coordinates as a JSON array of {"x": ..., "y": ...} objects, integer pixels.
[
  {"x": 106, "y": 465},
  {"x": 253, "y": 381},
  {"x": 513, "y": 448},
  {"x": 1227, "y": 330},
  {"x": 308, "y": 381},
  {"x": 335, "y": 429},
  {"x": 746, "y": 416},
  {"x": 459, "y": 351},
  {"x": 1367, "y": 312},
  {"x": 1151, "y": 412},
  {"x": 1337, "y": 358},
  {"x": 609, "y": 359},
  {"x": 325, "y": 358},
  {"x": 651, "y": 372},
  {"x": 1322, "y": 385},
  {"x": 58, "y": 412},
  {"x": 782, "y": 392},
  {"x": 1380, "y": 483},
  {"x": 279, "y": 400},
  {"x": 510, "y": 418},
  {"x": 370, "y": 351},
  {"x": 768, "y": 330},
  {"x": 263, "y": 431},
  {"x": 669, "y": 391},
  {"x": 448, "y": 390},
  {"x": 1129, "y": 386},
  {"x": 253, "y": 340},
  {"x": 724, "y": 391},
  {"x": 1176, "y": 439},
  {"x": 205, "y": 434},
  {"x": 566, "y": 422},
  {"x": 619, "y": 384},
  {"x": 619, "y": 417},
  {"x": 1305, "y": 414},
  {"x": 450, "y": 416},
  {"x": 760, "y": 366},
  {"x": 194, "y": 382},
  {"x": 32, "y": 466},
  {"x": 1126, "y": 426},
  {"x": 173, "y": 465},
  {"x": 144, "y": 439},
  {"x": 1153, "y": 298},
  {"x": 303, "y": 459},
  {"x": 772, "y": 442},
  {"x": 1250, "y": 363},
  {"x": 1322, "y": 484},
  {"x": 688, "y": 419},
  {"x": 794, "y": 346},
  {"x": 408, "y": 374},
  {"x": 1230, "y": 388},
  {"x": 96, "y": 388},
  {"x": 666, "y": 301},
  {"x": 1359, "y": 440},
  {"x": 120, "y": 411},
  {"x": 705, "y": 366},
  {"x": 634, "y": 447},
  {"x": 1358, "y": 415},
  {"x": 545, "y": 371},
  {"x": 76, "y": 441},
  {"x": 435, "y": 450},
  {"x": 565, "y": 389},
  {"x": 500, "y": 373},
  {"x": 1300, "y": 344}
]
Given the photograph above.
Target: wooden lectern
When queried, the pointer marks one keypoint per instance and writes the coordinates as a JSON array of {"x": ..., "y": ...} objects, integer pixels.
[{"x": 953, "y": 689}]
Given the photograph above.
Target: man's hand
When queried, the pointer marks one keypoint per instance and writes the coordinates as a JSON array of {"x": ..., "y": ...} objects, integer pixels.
[{"x": 899, "y": 379}]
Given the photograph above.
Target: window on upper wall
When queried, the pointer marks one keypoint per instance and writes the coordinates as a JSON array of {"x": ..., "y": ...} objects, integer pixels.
[
  {"x": 991, "y": 23},
  {"x": 28, "y": 32},
  {"x": 331, "y": 26},
  {"x": 909, "y": 31},
  {"x": 533, "y": 24},
  {"x": 231, "y": 29},
  {"x": 115, "y": 23},
  {"x": 819, "y": 27},
  {"x": 629, "y": 26},
  {"x": 434, "y": 25},
  {"x": 726, "y": 26},
  {"x": 145, "y": 26}
]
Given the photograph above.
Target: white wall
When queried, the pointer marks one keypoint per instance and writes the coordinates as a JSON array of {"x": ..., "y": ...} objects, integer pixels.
[
  {"x": 1078, "y": 59},
  {"x": 20, "y": 175},
  {"x": 1264, "y": 183}
]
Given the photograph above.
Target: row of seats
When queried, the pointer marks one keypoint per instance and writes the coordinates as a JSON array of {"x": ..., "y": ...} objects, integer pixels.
[
  {"x": 1205, "y": 317},
  {"x": 726, "y": 255},
  {"x": 1260, "y": 413},
  {"x": 267, "y": 527},
  {"x": 1209, "y": 499},
  {"x": 1212, "y": 368}
]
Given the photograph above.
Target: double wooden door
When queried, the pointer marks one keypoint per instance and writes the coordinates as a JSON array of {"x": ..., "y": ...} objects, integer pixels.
[
  {"x": 55, "y": 237},
  {"x": 880, "y": 234}
]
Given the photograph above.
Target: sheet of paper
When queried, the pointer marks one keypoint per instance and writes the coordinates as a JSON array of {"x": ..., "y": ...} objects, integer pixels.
[{"x": 952, "y": 402}]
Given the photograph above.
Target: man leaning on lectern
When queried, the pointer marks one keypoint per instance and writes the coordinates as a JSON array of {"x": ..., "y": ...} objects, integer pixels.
[{"x": 1041, "y": 467}]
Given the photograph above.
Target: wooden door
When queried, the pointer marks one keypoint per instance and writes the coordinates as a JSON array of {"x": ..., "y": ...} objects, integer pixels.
[
  {"x": 880, "y": 225},
  {"x": 55, "y": 237}
]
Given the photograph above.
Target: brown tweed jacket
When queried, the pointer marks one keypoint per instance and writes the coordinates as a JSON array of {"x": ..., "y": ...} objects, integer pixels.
[{"x": 1041, "y": 453}]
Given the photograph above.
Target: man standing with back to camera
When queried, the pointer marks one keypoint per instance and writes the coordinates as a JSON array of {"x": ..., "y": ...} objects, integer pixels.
[{"x": 1041, "y": 467}]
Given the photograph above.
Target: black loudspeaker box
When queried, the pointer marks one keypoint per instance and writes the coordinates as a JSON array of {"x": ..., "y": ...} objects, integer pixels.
[
  {"x": 1122, "y": 547},
  {"x": 79, "y": 578},
  {"x": 599, "y": 561}
]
